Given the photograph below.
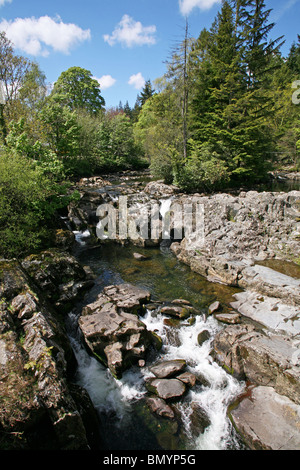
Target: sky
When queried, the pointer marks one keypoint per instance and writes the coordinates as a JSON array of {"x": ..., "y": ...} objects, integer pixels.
[{"x": 122, "y": 43}]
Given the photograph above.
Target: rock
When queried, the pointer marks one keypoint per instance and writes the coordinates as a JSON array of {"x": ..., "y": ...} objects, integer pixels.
[
  {"x": 181, "y": 302},
  {"x": 167, "y": 369},
  {"x": 203, "y": 336},
  {"x": 64, "y": 239},
  {"x": 159, "y": 189},
  {"x": 112, "y": 330},
  {"x": 230, "y": 318},
  {"x": 269, "y": 311},
  {"x": 176, "y": 311},
  {"x": 199, "y": 420},
  {"x": 36, "y": 359},
  {"x": 59, "y": 276},
  {"x": 266, "y": 281},
  {"x": 240, "y": 230},
  {"x": 187, "y": 378},
  {"x": 140, "y": 257},
  {"x": 159, "y": 406},
  {"x": 262, "y": 358},
  {"x": 213, "y": 307},
  {"x": 128, "y": 297},
  {"x": 268, "y": 421},
  {"x": 168, "y": 389}
]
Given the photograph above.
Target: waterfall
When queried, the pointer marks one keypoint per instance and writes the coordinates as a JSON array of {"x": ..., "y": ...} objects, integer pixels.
[{"x": 115, "y": 397}]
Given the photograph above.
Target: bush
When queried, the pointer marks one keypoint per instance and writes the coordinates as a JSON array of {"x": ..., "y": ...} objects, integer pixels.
[{"x": 29, "y": 198}]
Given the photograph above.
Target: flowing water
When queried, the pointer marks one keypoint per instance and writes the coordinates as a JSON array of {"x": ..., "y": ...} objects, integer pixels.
[{"x": 127, "y": 423}]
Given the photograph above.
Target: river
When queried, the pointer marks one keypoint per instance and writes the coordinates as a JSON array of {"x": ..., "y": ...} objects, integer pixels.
[{"x": 125, "y": 419}]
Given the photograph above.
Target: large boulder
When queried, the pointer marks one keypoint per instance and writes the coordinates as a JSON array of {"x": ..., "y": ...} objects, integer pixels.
[
  {"x": 38, "y": 408},
  {"x": 267, "y": 420},
  {"x": 112, "y": 329},
  {"x": 263, "y": 358}
]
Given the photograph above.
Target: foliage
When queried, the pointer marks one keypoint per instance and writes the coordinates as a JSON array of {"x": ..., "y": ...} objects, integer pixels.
[
  {"x": 29, "y": 198},
  {"x": 77, "y": 89}
]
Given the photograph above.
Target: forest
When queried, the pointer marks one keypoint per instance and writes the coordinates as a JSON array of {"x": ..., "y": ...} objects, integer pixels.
[{"x": 224, "y": 114}]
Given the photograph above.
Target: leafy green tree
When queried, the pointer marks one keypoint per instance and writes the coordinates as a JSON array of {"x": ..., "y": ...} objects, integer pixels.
[
  {"x": 77, "y": 89},
  {"x": 29, "y": 200},
  {"x": 61, "y": 128}
]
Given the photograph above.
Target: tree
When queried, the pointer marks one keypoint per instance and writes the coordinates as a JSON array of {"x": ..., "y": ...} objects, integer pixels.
[
  {"x": 61, "y": 128},
  {"x": 293, "y": 59},
  {"x": 13, "y": 69},
  {"x": 146, "y": 93},
  {"x": 77, "y": 89}
]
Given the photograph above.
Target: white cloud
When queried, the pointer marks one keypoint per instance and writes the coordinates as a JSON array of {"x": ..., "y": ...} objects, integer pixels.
[
  {"x": 4, "y": 1},
  {"x": 36, "y": 35},
  {"x": 137, "y": 81},
  {"x": 131, "y": 33},
  {"x": 106, "y": 81},
  {"x": 186, "y": 6}
]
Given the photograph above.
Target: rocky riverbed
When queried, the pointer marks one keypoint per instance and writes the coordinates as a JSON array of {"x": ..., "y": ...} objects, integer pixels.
[{"x": 251, "y": 242}]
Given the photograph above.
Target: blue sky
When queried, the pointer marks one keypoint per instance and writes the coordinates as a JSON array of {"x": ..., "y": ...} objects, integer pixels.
[{"x": 122, "y": 42}]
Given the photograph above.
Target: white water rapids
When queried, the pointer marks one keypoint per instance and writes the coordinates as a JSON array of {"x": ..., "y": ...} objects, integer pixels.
[{"x": 111, "y": 396}]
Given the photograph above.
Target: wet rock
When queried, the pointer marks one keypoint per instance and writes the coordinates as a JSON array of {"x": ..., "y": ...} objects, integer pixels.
[
  {"x": 160, "y": 407},
  {"x": 112, "y": 330},
  {"x": 140, "y": 257},
  {"x": 167, "y": 369},
  {"x": 268, "y": 421},
  {"x": 176, "y": 311},
  {"x": 167, "y": 389},
  {"x": 266, "y": 359},
  {"x": 187, "y": 378},
  {"x": 203, "y": 336},
  {"x": 199, "y": 419},
  {"x": 181, "y": 302}
]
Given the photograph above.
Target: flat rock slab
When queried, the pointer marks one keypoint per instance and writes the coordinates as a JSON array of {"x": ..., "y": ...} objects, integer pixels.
[
  {"x": 167, "y": 388},
  {"x": 268, "y": 421},
  {"x": 269, "y": 311},
  {"x": 270, "y": 282},
  {"x": 167, "y": 369},
  {"x": 127, "y": 296}
]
